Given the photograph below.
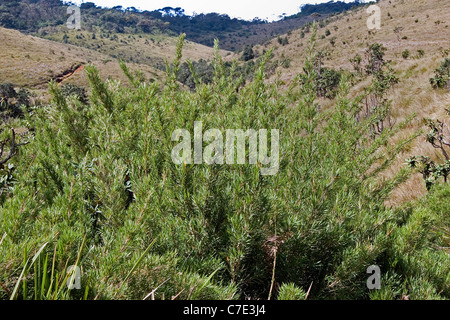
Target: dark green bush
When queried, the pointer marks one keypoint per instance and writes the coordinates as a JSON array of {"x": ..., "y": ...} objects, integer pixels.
[
  {"x": 442, "y": 75},
  {"x": 97, "y": 188},
  {"x": 78, "y": 92},
  {"x": 248, "y": 53},
  {"x": 405, "y": 54},
  {"x": 12, "y": 101},
  {"x": 375, "y": 58}
]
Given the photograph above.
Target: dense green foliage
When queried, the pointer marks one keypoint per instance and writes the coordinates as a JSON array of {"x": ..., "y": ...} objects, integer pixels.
[
  {"x": 193, "y": 73},
  {"x": 248, "y": 54},
  {"x": 97, "y": 188},
  {"x": 12, "y": 100},
  {"x": 375, "y": 58},
  {"x": 328, "y": 7},
  {"x": 71, "y": 89},
  {"x": 327, "y": 82}
]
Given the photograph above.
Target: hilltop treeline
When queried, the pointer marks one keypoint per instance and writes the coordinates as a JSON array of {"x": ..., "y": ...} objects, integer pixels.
[{"x": 326, "y": 8}]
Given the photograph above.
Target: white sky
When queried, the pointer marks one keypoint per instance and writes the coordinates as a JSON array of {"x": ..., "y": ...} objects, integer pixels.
[{"x": 245, "y": 9}]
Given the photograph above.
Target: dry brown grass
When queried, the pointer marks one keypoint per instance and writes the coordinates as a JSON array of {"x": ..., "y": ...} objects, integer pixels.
[
  {"x": 147, "y": 49},
  {"x": 30, "y": 62}
]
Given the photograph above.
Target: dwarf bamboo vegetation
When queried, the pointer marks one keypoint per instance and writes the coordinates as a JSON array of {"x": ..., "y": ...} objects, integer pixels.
[{"x": 96, "y": 187}]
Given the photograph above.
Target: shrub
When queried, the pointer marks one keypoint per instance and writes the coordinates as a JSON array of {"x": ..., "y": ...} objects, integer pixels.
[
  {"x": 327, "y": 82},
  {"x": 442, "y": 75},
  {"x": 283, "y": 41},
  {"x": 70, "y": 89},
  {"x": 248, "y": 54},
  {"x": 375, "y": 58},
  {"x": 356, "y": 62},
  {"x": 405, "y": 54},
  {"x": 285, "y": 62},
  {"x": 289, "y": 291},
  {"x": 11, "y": 101},
  {"x": 333, "y": 41},
  {"x": 439, "y": 138}
]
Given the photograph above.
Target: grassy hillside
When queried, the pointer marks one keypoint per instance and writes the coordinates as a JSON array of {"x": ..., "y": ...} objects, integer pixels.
[
  {"x": 424, "y": 26},
  {"x": 41, "y": 16},
  {"x": 32, "y": 62},
  {"x": 151, "y": 50}
]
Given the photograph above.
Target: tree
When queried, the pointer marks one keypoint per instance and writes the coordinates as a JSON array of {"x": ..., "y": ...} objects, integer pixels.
[
  {"x": 70, "y": 89},
  {"x": 442, "y": 75},
  {"x": 248, "y": 53},
  {"x": 439, "y": 138},
  {"x": 375, "y": 58},
  {"x": 7, "y": 92}
]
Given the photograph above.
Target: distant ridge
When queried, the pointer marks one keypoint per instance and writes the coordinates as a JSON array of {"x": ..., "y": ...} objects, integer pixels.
[{"x": 40, "y": 17}]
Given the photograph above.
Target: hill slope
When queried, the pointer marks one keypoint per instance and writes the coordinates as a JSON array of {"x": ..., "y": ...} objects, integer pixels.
[
  {"x": 422, "y": 25},
  {"x": 31, "y": 62},
  {"x": 28, "y": 61},
  {"x": 147, "y": 49},
  {"x": 41, "y": 16}
]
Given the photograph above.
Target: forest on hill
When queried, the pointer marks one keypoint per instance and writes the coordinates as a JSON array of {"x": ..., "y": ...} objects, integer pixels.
[{"x": 38, "y": 16}]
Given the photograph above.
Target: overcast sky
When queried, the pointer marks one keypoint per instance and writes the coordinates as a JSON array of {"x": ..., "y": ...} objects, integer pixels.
[{"x": 245, "y": 9}]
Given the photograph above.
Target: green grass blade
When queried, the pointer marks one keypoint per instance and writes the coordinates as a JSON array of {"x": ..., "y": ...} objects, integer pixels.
[
  {"x": 135, "y": 265},
  {"x": 204, "y": 284},
  {"x": 13, "y": 295}
]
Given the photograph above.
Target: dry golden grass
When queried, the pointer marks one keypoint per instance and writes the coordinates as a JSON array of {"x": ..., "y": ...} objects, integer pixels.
[
  {"x": 30, "y": 62},
  {"x": 147, "y": 49},
  {"x": 352, "y": 35}
]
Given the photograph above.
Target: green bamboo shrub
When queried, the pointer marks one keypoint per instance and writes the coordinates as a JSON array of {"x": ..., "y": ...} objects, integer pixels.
[
  {"x": 98, "y": 186},
  {"x": 420, "y": 266},
  {"x": 290, "y": 292}
]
